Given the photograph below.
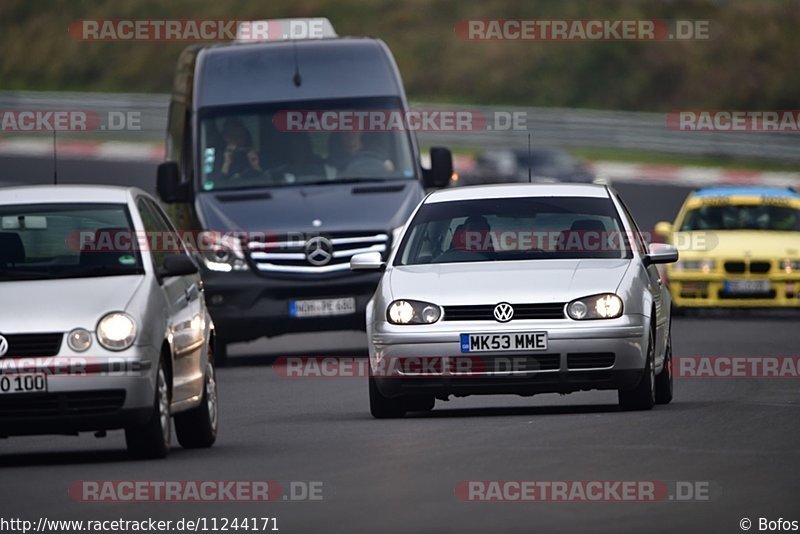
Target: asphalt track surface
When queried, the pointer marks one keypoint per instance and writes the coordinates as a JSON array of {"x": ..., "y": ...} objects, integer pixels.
[{"x": 739, "y": 435}]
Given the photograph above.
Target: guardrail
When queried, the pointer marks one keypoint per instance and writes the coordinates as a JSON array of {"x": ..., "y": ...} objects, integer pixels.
[{"x": 548, "y": 127}]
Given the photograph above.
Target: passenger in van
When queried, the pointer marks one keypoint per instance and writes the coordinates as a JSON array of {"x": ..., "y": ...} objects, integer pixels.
[
  {"x": 356, "y": 154},
  {"x": 240, "y": 159}
]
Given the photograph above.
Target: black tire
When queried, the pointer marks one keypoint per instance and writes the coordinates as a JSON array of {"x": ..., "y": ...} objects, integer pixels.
[
  {"x": 643, "y": 396},
  {"x": 152, "y": 439},
  {"x": 664, "y": 378},
  {"x": 383, "y": 407},
  {"x": 197, "y": 428},
  {"x": 220, "y": 352},
  {"x": 419, "y": 403}
]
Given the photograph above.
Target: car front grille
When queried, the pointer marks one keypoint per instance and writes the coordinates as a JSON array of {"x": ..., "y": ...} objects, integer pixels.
[
  {"x": 313, "y": 254},
  {"x": 741, "y": 267},
  {"x": 32, "y": 345},
  {"x": 590, "y": 360},
  {"x": 30, "y": 405},
  {"x": 485, "y": 312}
]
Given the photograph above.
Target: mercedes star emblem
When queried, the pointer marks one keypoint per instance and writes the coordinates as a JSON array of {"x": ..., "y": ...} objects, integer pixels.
[
  {"x": 3, "y": 346},
  {"x": 319, "y": 251}
]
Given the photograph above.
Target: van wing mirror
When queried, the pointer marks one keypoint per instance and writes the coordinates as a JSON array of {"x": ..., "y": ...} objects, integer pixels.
[
  {"x": 441, "y": 168},
  {"x": 169, "y": 185}
]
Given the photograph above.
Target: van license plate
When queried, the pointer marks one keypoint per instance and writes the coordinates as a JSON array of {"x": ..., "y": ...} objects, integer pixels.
[{"x": 322, "y": 307}]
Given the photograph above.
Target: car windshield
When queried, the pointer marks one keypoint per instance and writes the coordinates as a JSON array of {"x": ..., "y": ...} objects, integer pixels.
[
  {"x": 303, "y": 143},
  {"x": 742, "y": 217},
  {"x": 39, "y": 242},
  {"x": 507, "y": 229}
]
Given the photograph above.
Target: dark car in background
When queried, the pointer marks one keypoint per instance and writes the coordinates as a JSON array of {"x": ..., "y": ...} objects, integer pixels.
[{"x": 511, "y": 165}]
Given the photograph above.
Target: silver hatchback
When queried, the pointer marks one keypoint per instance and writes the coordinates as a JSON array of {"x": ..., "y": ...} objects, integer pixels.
[
  {"x": 104, "y": 324},
  {"x": 519, "y": 289}
]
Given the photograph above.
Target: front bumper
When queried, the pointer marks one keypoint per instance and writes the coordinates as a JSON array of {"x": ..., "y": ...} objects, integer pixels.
[
  {"x": 708, "y": 290},
  {"x": 84, "y": 393},
  {"x": 247, "y": 306},
  {"x": 579, "y": 356}
]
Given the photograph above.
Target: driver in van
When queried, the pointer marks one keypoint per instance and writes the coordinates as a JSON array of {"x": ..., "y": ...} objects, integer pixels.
[{"x": 240, "y": 159}]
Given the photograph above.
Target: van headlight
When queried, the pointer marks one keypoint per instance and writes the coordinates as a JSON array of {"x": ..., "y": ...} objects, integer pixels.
[
  {"x": 116, "y": 331},
  {"x": 413, "y": 312},
  {"x": 222, "y": 252},
  {"x": 605, "y": 306}
]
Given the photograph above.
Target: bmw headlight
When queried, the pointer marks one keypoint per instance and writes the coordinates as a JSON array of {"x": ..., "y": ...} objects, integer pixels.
[
  {"x": 79, "y": 340},
  {"x": 116, "y": 331},
  {"x": 605, "y": 306},
  {"x": 703, "y": 265},
  {"x": 789, "y": 265},
  {"x": 222, "y": 252},
  {"x": 413, "y": 312}
]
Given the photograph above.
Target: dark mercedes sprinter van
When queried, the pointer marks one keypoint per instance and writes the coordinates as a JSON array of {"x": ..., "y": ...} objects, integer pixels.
[{"x": 280, "y": 211}]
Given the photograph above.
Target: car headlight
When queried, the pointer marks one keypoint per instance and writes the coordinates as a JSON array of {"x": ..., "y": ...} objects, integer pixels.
[
  {"x": 605, "y": 306},
  {"x": 79, "y": 340},
  {"x": 413, "y": 312},
  {"x": 116, "y": 331},
  {"x": 789, "y": 266},
  {"x": 222, "y": 252},
  {"x": 704, "y": 265}
]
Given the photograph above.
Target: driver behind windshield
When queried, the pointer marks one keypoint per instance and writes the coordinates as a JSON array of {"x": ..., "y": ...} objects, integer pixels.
[{"x": 240, "y": 159}]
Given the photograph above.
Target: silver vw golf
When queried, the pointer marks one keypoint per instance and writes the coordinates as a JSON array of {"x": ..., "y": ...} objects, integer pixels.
[
  {"x": 103, "y": 324},
  {"x": 518, "y": 289}
]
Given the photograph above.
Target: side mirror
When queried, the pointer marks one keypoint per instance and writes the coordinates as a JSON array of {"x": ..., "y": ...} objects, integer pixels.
[
  {"x": 169, "y": 185},
  {"x": 664, "y": 229},
  {"x": 367, "y": 261},
  {"x": 441, "y": 168},
  {"x": 178, "y": 265},
  {"x": 661, "y": 253}
]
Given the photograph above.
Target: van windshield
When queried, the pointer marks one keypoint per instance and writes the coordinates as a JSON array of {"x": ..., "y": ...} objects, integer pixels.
[{"x": 301, "y": 143}]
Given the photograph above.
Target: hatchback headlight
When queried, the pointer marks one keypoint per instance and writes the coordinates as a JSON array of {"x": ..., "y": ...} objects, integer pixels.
[
  {"x": 116, "y": 331},
  {"x": 605, "y": 306},
  {"x": 413, "y": 312},
  {"x": 79, "y": 340},
  {"x": 222, "y": 252}
]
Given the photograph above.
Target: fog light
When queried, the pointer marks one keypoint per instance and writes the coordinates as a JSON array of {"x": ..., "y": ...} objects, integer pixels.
[{"x": 79, "y": 340}]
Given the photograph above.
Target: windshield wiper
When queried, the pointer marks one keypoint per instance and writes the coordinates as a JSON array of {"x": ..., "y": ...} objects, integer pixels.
[{"x": 350, "y": 181}]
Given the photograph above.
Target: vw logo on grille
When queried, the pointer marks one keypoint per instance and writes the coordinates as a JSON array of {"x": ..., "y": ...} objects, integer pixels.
[
  {"x": 319, "y": 251},
  {"x": 3, "y": 346},
  {"x": 503, "y": 312}
]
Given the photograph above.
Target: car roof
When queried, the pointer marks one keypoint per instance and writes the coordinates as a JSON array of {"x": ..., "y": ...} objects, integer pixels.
[
  {"x": 67, "y": 194},
  {"x": 518, "y": 190},
  {"x": 782, "y": 192}
]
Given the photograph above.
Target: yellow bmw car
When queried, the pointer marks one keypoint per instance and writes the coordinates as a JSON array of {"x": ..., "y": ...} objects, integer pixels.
[{"x": 739, "y": 247}]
